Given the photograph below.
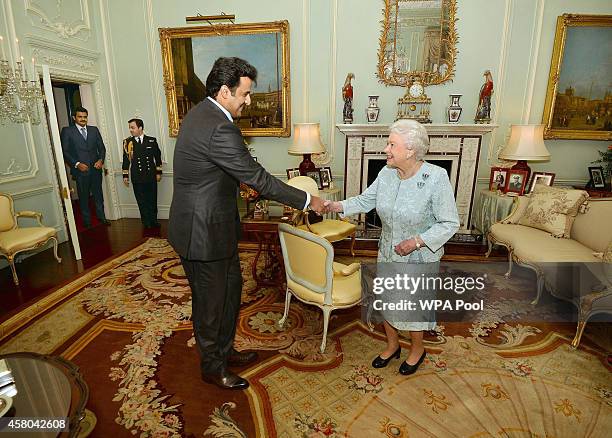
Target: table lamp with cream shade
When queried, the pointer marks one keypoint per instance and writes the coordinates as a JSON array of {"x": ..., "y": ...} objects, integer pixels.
[
  {"x": 306, "y": 141},
  {"x": 526, "y": 144}
]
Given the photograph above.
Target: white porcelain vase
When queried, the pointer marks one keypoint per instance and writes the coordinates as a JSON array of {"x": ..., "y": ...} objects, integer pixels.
[
  {"x": 372, "y": 111},
  {"x": 454, "y": 109}
]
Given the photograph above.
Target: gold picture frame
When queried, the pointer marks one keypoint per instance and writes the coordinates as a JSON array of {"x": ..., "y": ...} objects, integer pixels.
[
  {"x": 264, "y": 45},
  {"x": 436, "y": 63},
  {"x": 570, "y": 111}
]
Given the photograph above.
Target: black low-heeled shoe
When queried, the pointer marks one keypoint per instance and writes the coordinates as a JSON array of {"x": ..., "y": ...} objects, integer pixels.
[
  {"x": 406, "y": 369},
  {"x": 379, "y": 362}
]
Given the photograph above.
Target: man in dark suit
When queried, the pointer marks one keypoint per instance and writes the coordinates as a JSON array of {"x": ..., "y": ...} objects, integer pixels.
[
  {"x": 142, "y": 159},
  {"x": 84, "y": 152},
  {"x": 210, "y": 161}
]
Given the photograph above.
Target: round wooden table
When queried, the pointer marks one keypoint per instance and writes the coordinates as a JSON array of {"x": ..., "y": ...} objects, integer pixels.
[{"x": 47, "y": 387}]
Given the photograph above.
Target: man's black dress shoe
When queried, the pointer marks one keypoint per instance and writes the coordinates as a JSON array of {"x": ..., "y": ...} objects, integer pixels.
[
  {"x": 379, "y": 362},
  {"x": 105, "y": 222},
  {"x": 225, "y": 379},
  {"x": 155, "y": 225},
  {"x": 406, "y": 369},
  {"x": 239, "y": 359}
]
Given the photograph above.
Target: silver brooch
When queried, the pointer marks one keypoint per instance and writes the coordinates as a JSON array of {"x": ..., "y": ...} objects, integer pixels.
[
  {"x": 425, "y": 176},
  {"x": 420, "y": 185}
]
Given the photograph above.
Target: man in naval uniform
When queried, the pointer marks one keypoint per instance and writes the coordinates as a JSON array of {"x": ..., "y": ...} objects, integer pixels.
[{"x": 142, "y": 160}]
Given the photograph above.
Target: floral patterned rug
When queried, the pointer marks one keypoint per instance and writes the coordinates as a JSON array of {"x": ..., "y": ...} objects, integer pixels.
[{"x": 126, "y": 325}]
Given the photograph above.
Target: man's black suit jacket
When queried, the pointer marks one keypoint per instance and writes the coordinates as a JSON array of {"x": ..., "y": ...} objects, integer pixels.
[
  {"x": 141, "y": 161},
  {"x": 210, "y": 161},
  {"x": 76, "y": 149}
]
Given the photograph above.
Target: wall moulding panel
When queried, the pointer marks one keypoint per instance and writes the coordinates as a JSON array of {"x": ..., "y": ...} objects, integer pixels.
[
  {"x": 34, "y": 191},
  {"x": 20, "y": 165},
  {"x": 68, "y": 19},
  {"x": 457, "y": 145},
  {"x": 65, "y": 56}
]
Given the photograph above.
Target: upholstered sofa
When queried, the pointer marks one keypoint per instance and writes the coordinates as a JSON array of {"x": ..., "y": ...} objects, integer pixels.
[{"x": 587, "y": 238}]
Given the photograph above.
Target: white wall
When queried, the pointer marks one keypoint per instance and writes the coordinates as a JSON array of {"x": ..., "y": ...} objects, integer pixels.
[{"x": 114, "y": 45}]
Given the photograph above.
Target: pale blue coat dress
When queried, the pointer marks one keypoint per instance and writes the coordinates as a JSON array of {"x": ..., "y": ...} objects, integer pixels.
[{"x": 422, "y": 205}]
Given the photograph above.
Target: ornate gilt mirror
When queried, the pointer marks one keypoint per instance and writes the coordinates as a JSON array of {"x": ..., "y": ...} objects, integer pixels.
[{"x": 418, "y": 37}]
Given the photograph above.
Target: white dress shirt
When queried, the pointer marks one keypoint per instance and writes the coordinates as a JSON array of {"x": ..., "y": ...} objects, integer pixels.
[{"x": 230, "y": 118}]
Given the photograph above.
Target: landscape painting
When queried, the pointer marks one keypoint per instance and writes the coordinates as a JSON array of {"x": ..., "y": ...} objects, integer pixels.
[
  {"x": 579, "y": 94},
  {"x": 189, "y": 53}
]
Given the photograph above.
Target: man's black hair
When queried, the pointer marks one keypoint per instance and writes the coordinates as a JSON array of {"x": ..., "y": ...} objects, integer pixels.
[
  {"x": 80, "y": 109},
  {"x": 228, "y": 71},
  {"x": 138, "y": 122}
]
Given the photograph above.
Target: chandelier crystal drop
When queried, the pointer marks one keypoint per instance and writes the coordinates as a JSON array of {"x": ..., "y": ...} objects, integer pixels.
[{"x": 20, "y": 98}]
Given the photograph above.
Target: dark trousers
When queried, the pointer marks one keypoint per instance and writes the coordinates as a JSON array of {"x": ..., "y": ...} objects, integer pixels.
[
  {"x": 216, "y": 287},
  {"x": 90, "y": 182},
  {"x": 146, "y": 197}
]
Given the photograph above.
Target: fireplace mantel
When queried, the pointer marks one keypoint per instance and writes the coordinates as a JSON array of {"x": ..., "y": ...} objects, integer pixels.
[
  {"x": 456, "y": 143},
  {"x": 432, "y": 129}
]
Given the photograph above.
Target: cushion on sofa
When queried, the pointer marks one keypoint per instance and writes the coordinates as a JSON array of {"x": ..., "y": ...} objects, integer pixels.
[
  {"x": 553, "y": 209},
  {"x": 533, "y": 245}
]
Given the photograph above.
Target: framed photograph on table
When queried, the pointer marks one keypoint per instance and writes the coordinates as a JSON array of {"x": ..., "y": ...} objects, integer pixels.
[
  {"x": 326, "y": 177},
  {"x": 516, "y": 182},
  {"x": 579, "y": 78},
  {"x": 546, "y": 178},
  {"x": 316, "y": 175},
  {"x": 597, "y": 177},
  {"x": 497, "y": 180},
  {"x": 292, "y": 173}
]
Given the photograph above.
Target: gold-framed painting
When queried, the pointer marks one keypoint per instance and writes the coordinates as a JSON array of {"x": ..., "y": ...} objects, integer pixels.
[
  {"x": 188, "y": 54},
  {"x": 578, "y": 101}
]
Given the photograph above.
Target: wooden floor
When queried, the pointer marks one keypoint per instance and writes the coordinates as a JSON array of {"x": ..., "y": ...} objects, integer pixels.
[{"x": 41, "y": 273}]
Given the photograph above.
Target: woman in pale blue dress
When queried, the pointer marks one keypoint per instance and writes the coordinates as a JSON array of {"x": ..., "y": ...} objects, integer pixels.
[{"x": 416, "y": 205}]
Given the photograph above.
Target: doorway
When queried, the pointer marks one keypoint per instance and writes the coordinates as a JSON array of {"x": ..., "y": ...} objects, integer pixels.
[{"x": 68, "y": 96}]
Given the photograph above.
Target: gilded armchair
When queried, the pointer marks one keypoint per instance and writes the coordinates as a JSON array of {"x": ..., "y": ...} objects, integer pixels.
[
  {"x": 314, "y": 278},
  {"x": 331, "y": 229},
  {"x": 15, "y": 239}
]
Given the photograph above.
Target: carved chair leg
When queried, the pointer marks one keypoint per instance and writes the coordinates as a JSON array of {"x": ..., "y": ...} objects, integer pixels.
[
  {"x": 490, "y": 243},
  {"x": 281, "y": 322},
  {"x": 540, "y": 287},
  {"x": 579, "y": 330},
  {"x": 11, "y": 261},
  {"x": 507, "y": 274},
  {"x": 59, "y": 260},
  {"x": 326, "y": 313},
  {"x": 353, "y": 244}
]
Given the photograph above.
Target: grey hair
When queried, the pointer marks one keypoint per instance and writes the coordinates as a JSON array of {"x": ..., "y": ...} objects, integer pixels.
[{"x": 414, "y": 136}]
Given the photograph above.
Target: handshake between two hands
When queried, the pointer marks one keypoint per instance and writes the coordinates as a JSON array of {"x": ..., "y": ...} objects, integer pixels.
[{"x": 321, "y": 206}]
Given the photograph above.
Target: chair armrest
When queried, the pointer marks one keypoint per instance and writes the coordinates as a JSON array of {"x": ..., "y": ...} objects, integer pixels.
[
  {"x": 518, "y": 210},
  {"x": 31, "y": 214},
  {"x": 348, "y": 270}
]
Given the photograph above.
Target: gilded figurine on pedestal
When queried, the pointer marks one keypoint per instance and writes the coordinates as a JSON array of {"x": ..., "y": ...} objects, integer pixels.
[
  {"x": 483, "y": 112},
  {"x": 347, "y": 96}
]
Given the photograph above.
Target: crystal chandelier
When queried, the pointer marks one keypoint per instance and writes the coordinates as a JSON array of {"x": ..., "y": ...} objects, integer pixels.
[{"x": 19, "y": 97}]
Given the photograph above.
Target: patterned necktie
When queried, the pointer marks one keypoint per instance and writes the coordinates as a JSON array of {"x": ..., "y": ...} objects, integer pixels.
[{"x": 84, "y": 133}]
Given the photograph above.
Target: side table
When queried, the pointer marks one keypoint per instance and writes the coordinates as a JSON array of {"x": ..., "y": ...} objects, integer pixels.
[
  {"x": 491, "y": 207},
  {"x": 268, "y": 245},
  {"x": 596, "y": 193},
  {"x": 47, "y": 386}
]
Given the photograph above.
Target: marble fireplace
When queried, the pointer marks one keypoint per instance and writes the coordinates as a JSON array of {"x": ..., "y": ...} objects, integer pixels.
[{"x": 456, "y": 148}]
